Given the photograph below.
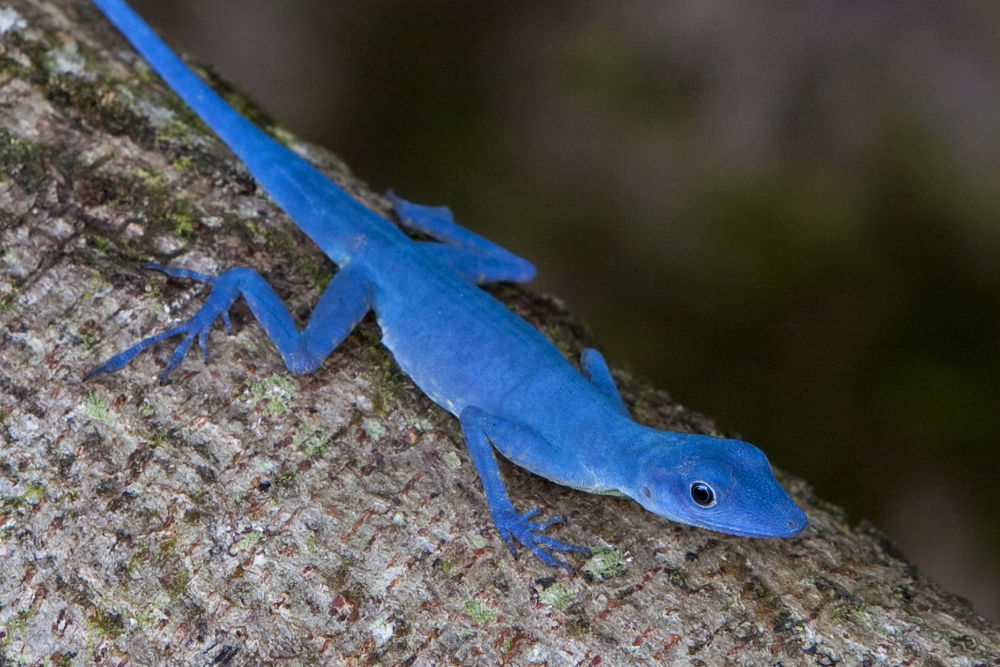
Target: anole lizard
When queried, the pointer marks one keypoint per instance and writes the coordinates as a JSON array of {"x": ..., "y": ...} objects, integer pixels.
[{"x": 510, "y": 387}]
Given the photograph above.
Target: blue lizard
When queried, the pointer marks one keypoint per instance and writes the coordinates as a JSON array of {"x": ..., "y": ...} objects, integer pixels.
[{"x": 510, "y": 387}]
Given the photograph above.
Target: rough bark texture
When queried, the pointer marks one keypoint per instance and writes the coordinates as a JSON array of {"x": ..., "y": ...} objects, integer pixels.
[{"x": 243, "y": 515}]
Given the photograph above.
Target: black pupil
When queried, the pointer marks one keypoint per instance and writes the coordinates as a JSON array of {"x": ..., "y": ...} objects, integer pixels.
[{"x": 702, "y": 494}]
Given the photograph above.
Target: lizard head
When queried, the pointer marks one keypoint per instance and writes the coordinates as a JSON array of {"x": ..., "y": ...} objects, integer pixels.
[{"x": 723, "y": 485}]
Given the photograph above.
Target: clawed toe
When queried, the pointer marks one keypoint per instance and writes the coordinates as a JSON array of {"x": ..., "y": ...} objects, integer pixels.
[
  {"x": 546, "y": 524},
  {"x": 199, "y": 326},
  {"x": 514, "y": 526}
]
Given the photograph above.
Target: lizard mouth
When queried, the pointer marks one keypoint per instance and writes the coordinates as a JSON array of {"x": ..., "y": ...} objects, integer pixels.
[{"x": 791, "y": 525}]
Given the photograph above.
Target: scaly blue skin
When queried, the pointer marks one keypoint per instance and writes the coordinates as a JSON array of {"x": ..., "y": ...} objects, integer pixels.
[{"x": 509, "y": 386}]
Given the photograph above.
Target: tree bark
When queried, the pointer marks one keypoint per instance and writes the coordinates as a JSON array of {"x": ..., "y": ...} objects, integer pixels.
[{"x": 240, "y": 514}]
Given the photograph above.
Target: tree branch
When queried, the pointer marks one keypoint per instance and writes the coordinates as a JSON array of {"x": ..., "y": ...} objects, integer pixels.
[{"x": 240, "y": 514}]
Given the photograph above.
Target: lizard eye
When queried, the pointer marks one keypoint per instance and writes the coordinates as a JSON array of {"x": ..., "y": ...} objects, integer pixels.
[{"x": 702, "y": 494}]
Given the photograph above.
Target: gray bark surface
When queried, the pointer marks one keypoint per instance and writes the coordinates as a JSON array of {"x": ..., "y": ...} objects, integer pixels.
[{"x": 240, "y": 514}]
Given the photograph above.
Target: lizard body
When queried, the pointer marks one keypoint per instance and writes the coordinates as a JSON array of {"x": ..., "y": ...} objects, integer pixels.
[{"x": 509, "y": 386}]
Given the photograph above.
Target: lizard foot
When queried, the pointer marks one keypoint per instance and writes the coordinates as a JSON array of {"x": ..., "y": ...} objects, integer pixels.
[
  {"x": 225, "y": 290},
  {"x": 515, "y": 526}
]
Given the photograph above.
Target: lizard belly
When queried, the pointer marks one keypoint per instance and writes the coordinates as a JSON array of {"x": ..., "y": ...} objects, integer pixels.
[
  {"x": 455, "y": 360},
  {"x": 471, "y": 350},
  {"x": 460, "y": 345}
]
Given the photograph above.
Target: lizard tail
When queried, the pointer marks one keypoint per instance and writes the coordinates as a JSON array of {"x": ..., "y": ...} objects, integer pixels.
[{"x": 324, "y": 211}]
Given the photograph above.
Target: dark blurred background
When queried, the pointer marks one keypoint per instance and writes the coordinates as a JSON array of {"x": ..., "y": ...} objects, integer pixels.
[{"x": 786, "y": 214}]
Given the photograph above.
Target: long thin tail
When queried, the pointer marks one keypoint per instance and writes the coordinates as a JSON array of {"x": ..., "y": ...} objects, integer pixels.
[{"x": 319, "y": 207}]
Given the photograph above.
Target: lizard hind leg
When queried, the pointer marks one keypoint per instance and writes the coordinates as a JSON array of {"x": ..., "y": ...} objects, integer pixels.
[
  {"x": 198, "y": 326},
  {"x": 476, "y": 259},
  {"x": 346, "y": 300}
]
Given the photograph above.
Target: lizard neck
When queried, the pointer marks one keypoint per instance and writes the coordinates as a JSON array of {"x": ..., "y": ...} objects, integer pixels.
[{"x": 619, "y": 451}]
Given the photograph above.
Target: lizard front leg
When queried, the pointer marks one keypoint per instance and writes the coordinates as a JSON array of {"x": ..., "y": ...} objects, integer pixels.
[
  {"x": 481, "y": 430},
  {"x": 597, "y": 371}
]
